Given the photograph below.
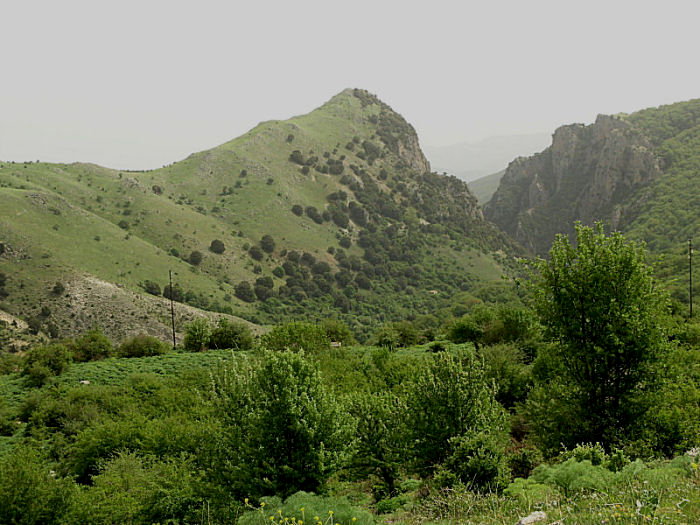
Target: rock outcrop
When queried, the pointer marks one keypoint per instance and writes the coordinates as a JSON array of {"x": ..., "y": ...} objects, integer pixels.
[{"x": 587, "y": 174}]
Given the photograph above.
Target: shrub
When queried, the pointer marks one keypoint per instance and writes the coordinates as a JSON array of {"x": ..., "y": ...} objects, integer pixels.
[
  {"x": 338, "y": 331},
  {"x": 256, "y": 253},
  {"x": 30, "y": 492},
  {"x": 386, "y": 337},
  {"x": 505, "y": 365},
  {"x": 263, "y": 293},
  {"x": 295, "y": 337},
  {"x": 313, "y": 505},
  {"x": 381, "y": 439},
  {"x": 573, "y": 476},
  {"x": 175, "y": 293},
  {"x": 298, "y": 210},
  {"x": 151, "y": 287},
  {"x": 478, "y": 460},
  {"x": 244, "y": 291},
  {"x": 93, "y": 345},
  {"x": 41, "y": 363},
  {"x": 314, "y": 215},
  {"x": 232, "y": 335},
  {"x": 267, "y": 243},
  {"x": 195, "y": 258},
  {"x": 217, "y": 246},
  {"x": 287, "y": 432},
  {"x": 407, "y": 333},
  {"x": 197, "y": 335},
  {"x": 296, "y": 157},
  {"x": 465, "y": 330},
  {"x": 307, "y": 259},
  {"x": 320, "y": 268},
  {"x": 135, "y": 489},
  {"x": 451, "y": 398},
  {"x": 142, "y": 345}
]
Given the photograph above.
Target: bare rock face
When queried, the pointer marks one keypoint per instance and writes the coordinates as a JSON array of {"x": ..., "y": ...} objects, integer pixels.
[
  {"x": 587, "y": 174},
  {"x": 410, "y": 152},
  {"x": 395, "y": 132}
]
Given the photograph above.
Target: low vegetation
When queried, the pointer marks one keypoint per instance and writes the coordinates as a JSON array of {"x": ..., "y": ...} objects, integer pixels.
[{"x": 482, "y": 416}]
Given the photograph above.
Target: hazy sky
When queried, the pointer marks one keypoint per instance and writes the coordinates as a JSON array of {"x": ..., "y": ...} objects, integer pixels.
[{"x": 139, "y": 84}]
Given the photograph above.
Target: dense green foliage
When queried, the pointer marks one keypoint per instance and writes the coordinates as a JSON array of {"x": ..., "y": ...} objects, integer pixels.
[
  {"x": 283, "y": 431},
  {"x": 188, "y": 437},
  {"x": 297, "y": 337},
  {"x": 598, "y": 303}
]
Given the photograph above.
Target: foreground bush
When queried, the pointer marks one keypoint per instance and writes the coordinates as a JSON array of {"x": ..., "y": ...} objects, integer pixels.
[
  {"x": 454, "y": 418},
  {"x": 284, "y": 432},
  {"x": 134, "y": 489},
  {"x": 30, "y": 492}
]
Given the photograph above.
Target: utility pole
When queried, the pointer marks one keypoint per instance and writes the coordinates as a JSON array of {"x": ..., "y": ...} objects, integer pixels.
[
  {"x": 690, "y": 275},
  {"x": 172, "y": 306}
]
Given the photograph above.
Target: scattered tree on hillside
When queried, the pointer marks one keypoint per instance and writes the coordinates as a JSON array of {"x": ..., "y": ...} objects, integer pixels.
[
  {"x": 217, "y": 246},
  {"x": 197, "y": 335},
  {"x": 256, "y": 253},
  {"x": 244, "y": 291},
  {"x": 267, "y": 243},
  {"x": 195, "y": 258},
  {"x": 151, "y": 287}
]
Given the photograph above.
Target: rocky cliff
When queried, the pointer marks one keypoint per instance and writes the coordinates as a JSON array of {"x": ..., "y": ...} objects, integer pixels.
[{"x": 587, "y": 174}]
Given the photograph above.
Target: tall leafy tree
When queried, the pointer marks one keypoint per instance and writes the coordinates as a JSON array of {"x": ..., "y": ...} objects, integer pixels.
[{"x": 600, "y": 307}]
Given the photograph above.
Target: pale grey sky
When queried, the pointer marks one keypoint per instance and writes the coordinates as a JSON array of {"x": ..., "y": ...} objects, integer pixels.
[{"x": 138, "y": 84}]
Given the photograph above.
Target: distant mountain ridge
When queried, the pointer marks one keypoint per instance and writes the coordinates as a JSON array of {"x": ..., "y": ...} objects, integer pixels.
[{"x": 475, "y": 159}]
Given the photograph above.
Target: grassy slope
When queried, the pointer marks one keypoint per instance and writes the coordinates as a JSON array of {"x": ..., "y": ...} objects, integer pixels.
[
  {"x": 485, "y": 187},
  {"x": 57, "y": 212}
]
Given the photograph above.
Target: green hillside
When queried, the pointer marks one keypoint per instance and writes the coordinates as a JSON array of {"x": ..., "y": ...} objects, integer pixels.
[
  {"x": 484, "y": 188},
  {"x": 334, "y": 213}
]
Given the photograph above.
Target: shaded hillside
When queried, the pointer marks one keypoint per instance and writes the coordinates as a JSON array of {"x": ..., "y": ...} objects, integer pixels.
[
  {"x": 588, "y": 173},
  {"x": 334, "y": 213},
  {"x": 639, "y": 173}
]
